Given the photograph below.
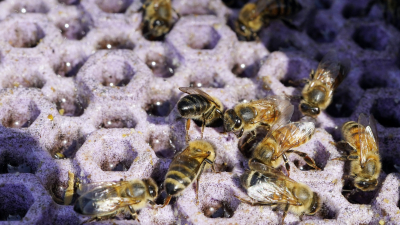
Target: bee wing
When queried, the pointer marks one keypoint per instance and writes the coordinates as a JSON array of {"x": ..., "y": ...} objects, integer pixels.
[
  {"x": 272, "y": 190},
  {"x": 110, "y": 204},
  {"x": 295, "y": 135},
  {"x": 198, "y": 91},
  {"x": 282, "y": 104},
  {"x": 337, "y": 69},
  {"x": 84, "y": 188},
  {"x": 370, "y": 132}
]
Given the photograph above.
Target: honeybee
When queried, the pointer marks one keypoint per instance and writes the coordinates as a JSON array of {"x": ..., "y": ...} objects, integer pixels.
[
  {"x": 317, "y": 93},
  {"x": 362, "y": 137},
  {"x": 253, "y": 16},
  {"x": 280, "y": 140},
  {"x": 269, "y": 187},
  {"x": 187, "y": 166},
  {"x": 107, "y": 199},
  {"x": 157, "y": 19},
  {"x": 199, "y": 106},
  {"x": 246, "y": 117}
]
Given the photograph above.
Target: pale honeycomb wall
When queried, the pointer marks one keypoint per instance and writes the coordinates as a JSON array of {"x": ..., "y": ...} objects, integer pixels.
[{"x": 61, "y": 56}]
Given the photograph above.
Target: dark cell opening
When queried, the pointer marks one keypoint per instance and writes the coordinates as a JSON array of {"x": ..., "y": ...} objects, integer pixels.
[
  {"x": 235, "y": 4},
  {"x": 370, "y": 80},
  {"x": 65, "y": 146},
  {"x": 387, "y": 111},
  {"x": 164, "y": 149},
  {"x": 161, "y": 65},
  {"x": 321, "y": 33},
  {"x": 351, "y": 10},
  {"x": 15, "y": 201},
  {"x": 355, "y": 196},
  {"x": 117, "y": 76},
  {"x": 21, "y": 118},
  {"x": 75, "y": 29},
  {"x": 323, "y": 4},
  {"x": 33, "y": 81},
  {"x": 69, "y": 2},
  {"x": 277, "y": 43},
  {"x": 218, "y": 210},
  {"x": 242, "y": 70},
  {"x": 118, "y": 123},
  {"x": 321, "y": 158},
  {"x": 371, "y": 37},
  {"x": 27, "y": 35},
  {"x": 115, "y": 43},
  {"x": 159, "y": 108},
  {"x": 68, "y": 69},
  {"x": 37, "y": 7},
  {"x": 71, "y": 106},
  {"x": 11, "y": 164},
  {"x": 342, "y": 105}
]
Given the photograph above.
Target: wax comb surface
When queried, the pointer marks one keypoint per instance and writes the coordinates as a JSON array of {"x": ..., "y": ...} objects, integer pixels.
[{"x": 79, "y": 78}]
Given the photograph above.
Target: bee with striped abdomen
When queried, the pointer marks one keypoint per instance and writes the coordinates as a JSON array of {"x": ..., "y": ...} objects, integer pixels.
[
  {"x": 253, "y": 16},
  {"x": 270, "y": 187},
  {"x": 280, "y": 140},
  {"x": 317, "y": 93},
  {"x": 199, "y": 106},
  {"x": 246, "y": 117},
  {"x": 157, "y": 18},
  {"x": 107, "y": 199},
  {"x": 187, "y": 166},
  {"x": 362, "y": 137}
]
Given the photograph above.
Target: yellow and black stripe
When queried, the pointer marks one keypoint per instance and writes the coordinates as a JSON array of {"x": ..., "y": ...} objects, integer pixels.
[
  {"x": 281, "y": 8},
  {"x": 351, "y": 134},
  {"x": 181, "y": 173},
  {"x": 193, "y": 105}
]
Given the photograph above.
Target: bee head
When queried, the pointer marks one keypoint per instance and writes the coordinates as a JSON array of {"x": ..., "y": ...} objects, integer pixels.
[
  {"x": 315, "y": 204},
  {"x": 308, "y": 109},
  {"x": 151, "y": 187},
  {"x": 244, "y": 33},
  {"x": 159, "y": 28},
  {"x": 231, "y": 121}
]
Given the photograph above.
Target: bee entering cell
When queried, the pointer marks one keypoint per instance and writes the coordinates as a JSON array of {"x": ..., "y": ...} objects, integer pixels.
[
  {"x": 161, "y": 65},
  {"x": 356, "y": 196},
  {"x": 119, "y": 6},
  {"x": 17, "y": 203}
]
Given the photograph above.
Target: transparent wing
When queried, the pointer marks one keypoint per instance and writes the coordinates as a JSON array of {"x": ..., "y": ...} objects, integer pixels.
[
  {"x": 272, "y": 190},
  {"x": 369, "y": 138},
  {"x": 110, "y": 204},
  {"x": 84, "y": 188},
  {"x": 262, "y": 4},
  {"x": 193, "y": 91},
  {"x": 332, "y": 70},
  {"x": 282, "y": 104},
  {"x": 294, "y": 135}
]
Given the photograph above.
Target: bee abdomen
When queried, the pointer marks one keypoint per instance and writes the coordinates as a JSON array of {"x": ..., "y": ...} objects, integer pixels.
[
  {"x": 193, "y": 105},
  {"x": 283, "y": 8}
]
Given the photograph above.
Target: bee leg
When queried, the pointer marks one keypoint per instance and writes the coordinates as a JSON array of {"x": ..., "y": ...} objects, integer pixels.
[
  {"x": 187, "y": 130},
  {"x": 133, "y": 213},
  {"x": 240, "y": 133},
  {"x": 298, "y": 82},
  {"x": 253, "y": 203},
  {"x": 306, "y": 158},
  {"x": 286, "y": 163},
  {"x": 312, "y": 73},
  {"x": 347, "y": 158},
  {"x": 285, "y": 212},
  {"x": 166, "y": 201},
  {"x": 212, "y": 165},
  {"x": 253, "y": 135},
  {"x": 198, "y": 181}
]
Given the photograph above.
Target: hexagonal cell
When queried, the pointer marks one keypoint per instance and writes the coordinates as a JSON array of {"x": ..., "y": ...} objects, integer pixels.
[
  {"x": 69, "y": 2},
  {"x": 15, "y": 201},
  {"x": 323, "y": 4},
  {"x": 66, "y": 145},
  {"x": 293, "y": 76},
  {"x": 71, "y": 105},
  {"x": 250, "y": 70},
  {"x": 214, "y": 82},
  {"x": 16, "y": 116},
  {"x": 321, "y": 32},
  {"x": 74, "y": 28},
  {"x": 163, "y": 145},
  {"x": 119, "y": 6},
  {"x": 343, "y": 104},
  {"x": 68, "y": 69},
  {"x": 116, "y": 117},
  {"x": 321, "y": 158},
  {"x": 387, "y": 111},
  {"x": 371, "y": 37},
  {"x": 375, "y": 77},
  {"x": 159, "y": 108},
  {"x": 202, "y": 37},
  {"x": 30, "y": 80},
  {"x": 161, "y": 65},
  {"x": 355, "y": 196},
  {"x": 122, "y": 158},
  {"x": 119, "y": 75},
  {"x": 217, "y": 209},
  {"x": 109, "y": 43},
  {"x": 30, "y": 7},
  {"x": 25, "y": 35},
  {"x": 277, "y": 43}
]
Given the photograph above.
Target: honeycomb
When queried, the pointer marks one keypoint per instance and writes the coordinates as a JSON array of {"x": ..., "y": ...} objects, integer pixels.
[{"x": 78, "y": 78}]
